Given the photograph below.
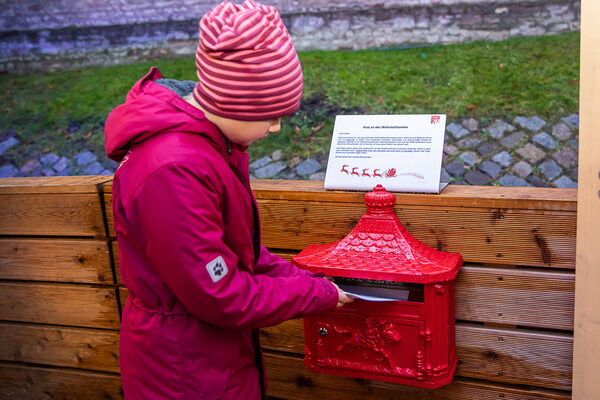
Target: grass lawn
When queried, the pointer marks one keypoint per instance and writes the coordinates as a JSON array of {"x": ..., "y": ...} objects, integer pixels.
[{"x": 64, "y": 112}]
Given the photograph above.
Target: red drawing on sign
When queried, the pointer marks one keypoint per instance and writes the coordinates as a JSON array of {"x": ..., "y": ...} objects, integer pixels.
[
  {"x": 435, "y": 119},
  {"x": 389, "y": 173}
]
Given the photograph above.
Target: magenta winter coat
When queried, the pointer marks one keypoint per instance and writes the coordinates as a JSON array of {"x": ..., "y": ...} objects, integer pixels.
[{"x": 189, "y": 244}]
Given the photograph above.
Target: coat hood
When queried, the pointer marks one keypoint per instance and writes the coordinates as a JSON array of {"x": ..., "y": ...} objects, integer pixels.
[{"x": 151, "y": 109}]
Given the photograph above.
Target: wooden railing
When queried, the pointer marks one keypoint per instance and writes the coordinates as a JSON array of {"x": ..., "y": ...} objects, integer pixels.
[{"x": 59, "y": 276}]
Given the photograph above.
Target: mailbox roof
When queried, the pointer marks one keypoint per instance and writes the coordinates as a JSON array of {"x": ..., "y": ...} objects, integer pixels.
[{"x": 379, "y": 247}]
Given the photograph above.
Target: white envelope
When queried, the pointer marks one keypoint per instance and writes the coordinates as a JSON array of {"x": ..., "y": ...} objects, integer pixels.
[{"x": 375, "y": 293}]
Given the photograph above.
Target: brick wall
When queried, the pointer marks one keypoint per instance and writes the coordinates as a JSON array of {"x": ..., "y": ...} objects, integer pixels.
[{"x": 47, "y": 35}]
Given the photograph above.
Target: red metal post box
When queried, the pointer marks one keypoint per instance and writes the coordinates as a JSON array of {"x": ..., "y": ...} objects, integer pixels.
[{"x": 408, "y": 341}]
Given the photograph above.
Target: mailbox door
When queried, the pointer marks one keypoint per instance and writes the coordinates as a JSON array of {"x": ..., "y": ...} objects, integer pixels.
[{"x": 367, "y": 346}]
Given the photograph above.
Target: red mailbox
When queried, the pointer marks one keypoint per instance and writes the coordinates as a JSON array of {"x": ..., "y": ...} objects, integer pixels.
[{"x": 408, "y": 340}]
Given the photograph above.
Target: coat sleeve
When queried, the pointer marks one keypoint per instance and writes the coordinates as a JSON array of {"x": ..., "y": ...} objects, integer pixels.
[
  {"x": 273, "y": 265},
  {"x": 178, "y": 213}
]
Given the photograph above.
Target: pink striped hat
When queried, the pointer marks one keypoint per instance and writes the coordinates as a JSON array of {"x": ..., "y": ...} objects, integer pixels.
[{"x": 247, "y": 66}]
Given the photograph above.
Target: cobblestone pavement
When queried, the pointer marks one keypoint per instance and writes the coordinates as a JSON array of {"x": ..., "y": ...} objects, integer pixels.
[{"x": 526, "y": 151}]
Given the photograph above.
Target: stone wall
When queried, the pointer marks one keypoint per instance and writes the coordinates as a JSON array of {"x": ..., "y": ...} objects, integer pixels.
[{"x": 50, "y": 35}]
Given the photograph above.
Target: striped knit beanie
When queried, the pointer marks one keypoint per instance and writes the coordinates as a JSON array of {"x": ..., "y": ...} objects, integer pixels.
[{"x": 247, "y": 66}]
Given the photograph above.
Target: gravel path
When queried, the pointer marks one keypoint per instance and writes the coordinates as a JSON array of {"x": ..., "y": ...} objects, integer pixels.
[{"x": 526, "y": 151}]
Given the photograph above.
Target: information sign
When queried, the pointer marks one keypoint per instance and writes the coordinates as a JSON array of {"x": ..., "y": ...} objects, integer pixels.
[{"x": 401, "y": 152}]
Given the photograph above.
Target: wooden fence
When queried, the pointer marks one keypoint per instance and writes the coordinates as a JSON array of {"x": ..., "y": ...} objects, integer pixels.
[{"x": 61, "y": 292}]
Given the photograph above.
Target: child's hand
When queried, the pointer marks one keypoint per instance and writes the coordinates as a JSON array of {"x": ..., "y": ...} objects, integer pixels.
[{"x": 343, "y": 298}]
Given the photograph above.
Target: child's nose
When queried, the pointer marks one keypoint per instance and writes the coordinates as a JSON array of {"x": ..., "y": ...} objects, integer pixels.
[{"x": 275, "y": 125}]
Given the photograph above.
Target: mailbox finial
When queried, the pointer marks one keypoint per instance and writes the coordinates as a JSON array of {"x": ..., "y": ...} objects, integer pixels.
[{"x": 379, "y": 201}]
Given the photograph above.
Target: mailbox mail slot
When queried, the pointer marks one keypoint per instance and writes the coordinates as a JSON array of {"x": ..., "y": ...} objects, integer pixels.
[{"x": 408, "y": 340}]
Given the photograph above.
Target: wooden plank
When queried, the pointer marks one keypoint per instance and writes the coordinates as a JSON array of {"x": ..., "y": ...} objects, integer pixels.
[
  {"x": 586, "y": 384},
  {"x": 511, "y": 296},
  {"x": 530, "y": 237},
  {"x": 22, "y": 382},
  {"x": 515, "y": 356},
  {"x": 508, "y": 237},
  {"x": 59, "y": 304},
  {"x": 80, "y": 348},
  {"x": 452, "y": 196},
  {"x": 521, "y": 296},
  {"x": 70, "y": 214},
  {"x": 287, "y": 336},
  {"x": 54, "y": 184},
  {"x": 108, "y": 207},
  {"x": 116, "y": 260},
  {"x": 488, "y": 197},
  {"x": 502, "y": 236},
  {"x": 123, "y": 293},
  {"x": 289, "y": 378},
  {"x": 503, "y": 355},
  {"x": 57, "y": 260}
]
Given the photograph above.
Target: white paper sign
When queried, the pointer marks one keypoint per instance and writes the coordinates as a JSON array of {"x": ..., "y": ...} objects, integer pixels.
[{"x": 403, "y": 153}]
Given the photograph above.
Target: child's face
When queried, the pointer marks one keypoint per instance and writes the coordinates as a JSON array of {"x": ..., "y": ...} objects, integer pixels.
[{"x": 246, "y": 132}]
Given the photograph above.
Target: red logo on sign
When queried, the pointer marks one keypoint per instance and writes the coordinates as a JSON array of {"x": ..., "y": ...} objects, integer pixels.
[{"x": 435, "y": 119}]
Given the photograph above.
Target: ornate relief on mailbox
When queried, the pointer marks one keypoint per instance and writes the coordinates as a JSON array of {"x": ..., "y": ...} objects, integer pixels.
[{"x": 409, "y": 339}]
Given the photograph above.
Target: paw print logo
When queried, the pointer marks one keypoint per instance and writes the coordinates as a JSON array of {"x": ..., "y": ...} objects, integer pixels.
[{"x": 218, "y": 269}]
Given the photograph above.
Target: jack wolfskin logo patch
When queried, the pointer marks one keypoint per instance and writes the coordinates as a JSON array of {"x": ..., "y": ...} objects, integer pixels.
[{"x": 217, "y": 269}]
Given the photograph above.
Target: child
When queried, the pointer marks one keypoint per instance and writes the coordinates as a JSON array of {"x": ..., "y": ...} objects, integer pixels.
[{"x": 186, "y": 220}]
